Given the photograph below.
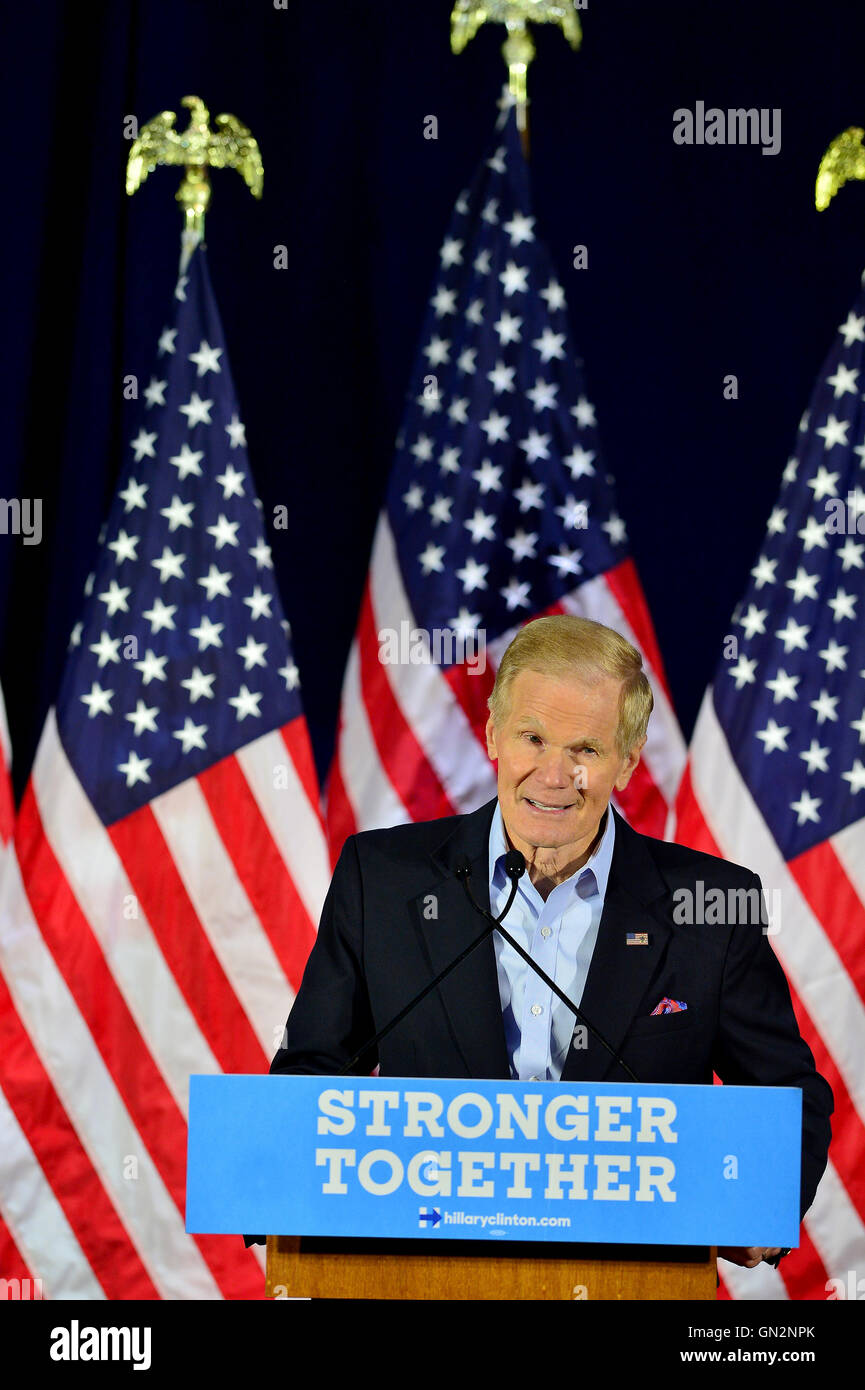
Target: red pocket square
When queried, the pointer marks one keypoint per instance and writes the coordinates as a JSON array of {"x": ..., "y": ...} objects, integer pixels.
[{"x": 669, "y": 1006}]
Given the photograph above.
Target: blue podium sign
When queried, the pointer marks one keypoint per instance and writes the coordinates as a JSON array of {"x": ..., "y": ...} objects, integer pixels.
[{"x": 397, "y": 1158}]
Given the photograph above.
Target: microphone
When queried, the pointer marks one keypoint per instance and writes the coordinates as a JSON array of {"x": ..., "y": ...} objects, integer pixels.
[
  {"x": 515, "y": 866},
  {"x": 463, "y": 872}
]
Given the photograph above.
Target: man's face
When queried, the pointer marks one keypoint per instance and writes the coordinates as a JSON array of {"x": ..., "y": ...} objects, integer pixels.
[{"x": 558, "y": 760}]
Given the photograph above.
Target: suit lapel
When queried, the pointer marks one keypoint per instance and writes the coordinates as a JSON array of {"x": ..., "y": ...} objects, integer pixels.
[
  {"x": 619, "y": 973},
  {"x": 471, "y": 993}
]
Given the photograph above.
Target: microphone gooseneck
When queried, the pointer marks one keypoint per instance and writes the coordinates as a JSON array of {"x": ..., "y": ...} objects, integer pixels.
[
  {"x": 463, "y": 873},
  {"x": 515, "y": 866}
]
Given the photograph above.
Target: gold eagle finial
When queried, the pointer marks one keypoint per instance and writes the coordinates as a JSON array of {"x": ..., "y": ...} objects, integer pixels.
[
  {"x": 198, "y": 148},
  {"x": 467, "y": 17},
  {"x": 844, "y": 159}
]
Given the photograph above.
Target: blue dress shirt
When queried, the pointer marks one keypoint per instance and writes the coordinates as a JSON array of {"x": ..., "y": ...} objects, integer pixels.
[{"x": 560, "y": 934}]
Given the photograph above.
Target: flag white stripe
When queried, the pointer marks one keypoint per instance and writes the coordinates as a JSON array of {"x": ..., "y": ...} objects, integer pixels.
[
  {"x": 233, "y": 929},
  {"x": 764, "y": 1282},
  {"x": 428, "y": 704},
  {"x": 5, "y": 745},
  {"x": 293, "y": 822},
  {"x": 96, "y": 876},
  {"x": 806, "y": 953},
  {"x": 849, "y": 845},
  {"x": 88, "y": 1094},
  {"x": 369, "y": 790},
  {"x": 6, "y": 830},
  {"x": 497, "y": 647},
  {"x": 835, "y": 1226},
  {"x": 36, "y": 1219}
]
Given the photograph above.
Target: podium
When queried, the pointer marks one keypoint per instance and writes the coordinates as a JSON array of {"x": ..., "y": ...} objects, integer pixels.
[
  {"x": 413, "y": 1188},
  {"x": 298, "y": 1267}
]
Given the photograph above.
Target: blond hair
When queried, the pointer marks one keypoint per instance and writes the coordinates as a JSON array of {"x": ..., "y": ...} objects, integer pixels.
[{"x": 567, "y": 646}]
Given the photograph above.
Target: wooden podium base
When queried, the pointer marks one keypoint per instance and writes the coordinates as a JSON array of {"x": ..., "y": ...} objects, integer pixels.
[{"x": 301, "y": 1268}]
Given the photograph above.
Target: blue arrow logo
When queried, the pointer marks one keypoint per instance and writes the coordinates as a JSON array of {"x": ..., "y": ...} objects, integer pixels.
[{"x": 428, "y": 1216}]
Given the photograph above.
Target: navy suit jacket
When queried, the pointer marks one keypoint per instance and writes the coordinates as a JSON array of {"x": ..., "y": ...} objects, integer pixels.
[{"x": 395, "y": 915}]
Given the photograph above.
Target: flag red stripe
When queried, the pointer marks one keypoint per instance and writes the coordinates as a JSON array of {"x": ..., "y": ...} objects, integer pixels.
[
  {"x": 643, "y": 803},
  {"x": 803, "y": 1270},
  {"x": 12, "y": 1263},
  {"x": 260, "y": 867},
  {"x": 7, "y": 807},
  {"x": 183, "y": 942},
  {"x": 472, "y": 691},
  {"x": 58, "y": 1150},
  {"x": 401, "y": 756},
  {"x": 81, "y": 961},
  {"x": 624, "y": 584},
  {"x": 692, "y": 828},
  {"x": 339, "y": 814},
  {"x": 836, "y": 905},
  {"x": 295, "y": 736}
]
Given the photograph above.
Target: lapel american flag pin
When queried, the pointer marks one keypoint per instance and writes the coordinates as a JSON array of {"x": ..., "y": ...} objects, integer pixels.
[{"x": 637, "y": 938}]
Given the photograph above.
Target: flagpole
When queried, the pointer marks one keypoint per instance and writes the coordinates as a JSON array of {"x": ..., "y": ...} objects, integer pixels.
[{"x": 518, "y": 48}]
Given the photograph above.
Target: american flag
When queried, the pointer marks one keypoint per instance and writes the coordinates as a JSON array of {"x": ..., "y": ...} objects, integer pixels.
[
  {"x": 170, "y": 858},
  {"x": 7, "y": 807},
  {"x": 499, "y": 509},
  {"x": 12, "y": 1265},
  {"x": 775, "y": 780}
]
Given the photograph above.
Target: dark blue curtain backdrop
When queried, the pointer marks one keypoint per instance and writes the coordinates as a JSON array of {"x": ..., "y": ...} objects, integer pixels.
[{"x": 702, "y": 261}]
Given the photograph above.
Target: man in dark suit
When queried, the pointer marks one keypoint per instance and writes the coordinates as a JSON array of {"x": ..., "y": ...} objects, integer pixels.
[{"x": 604, "y": 910}]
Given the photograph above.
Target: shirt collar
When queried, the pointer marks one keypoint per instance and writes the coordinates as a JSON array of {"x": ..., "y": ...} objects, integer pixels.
[{"x": 599, "y": 862}]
